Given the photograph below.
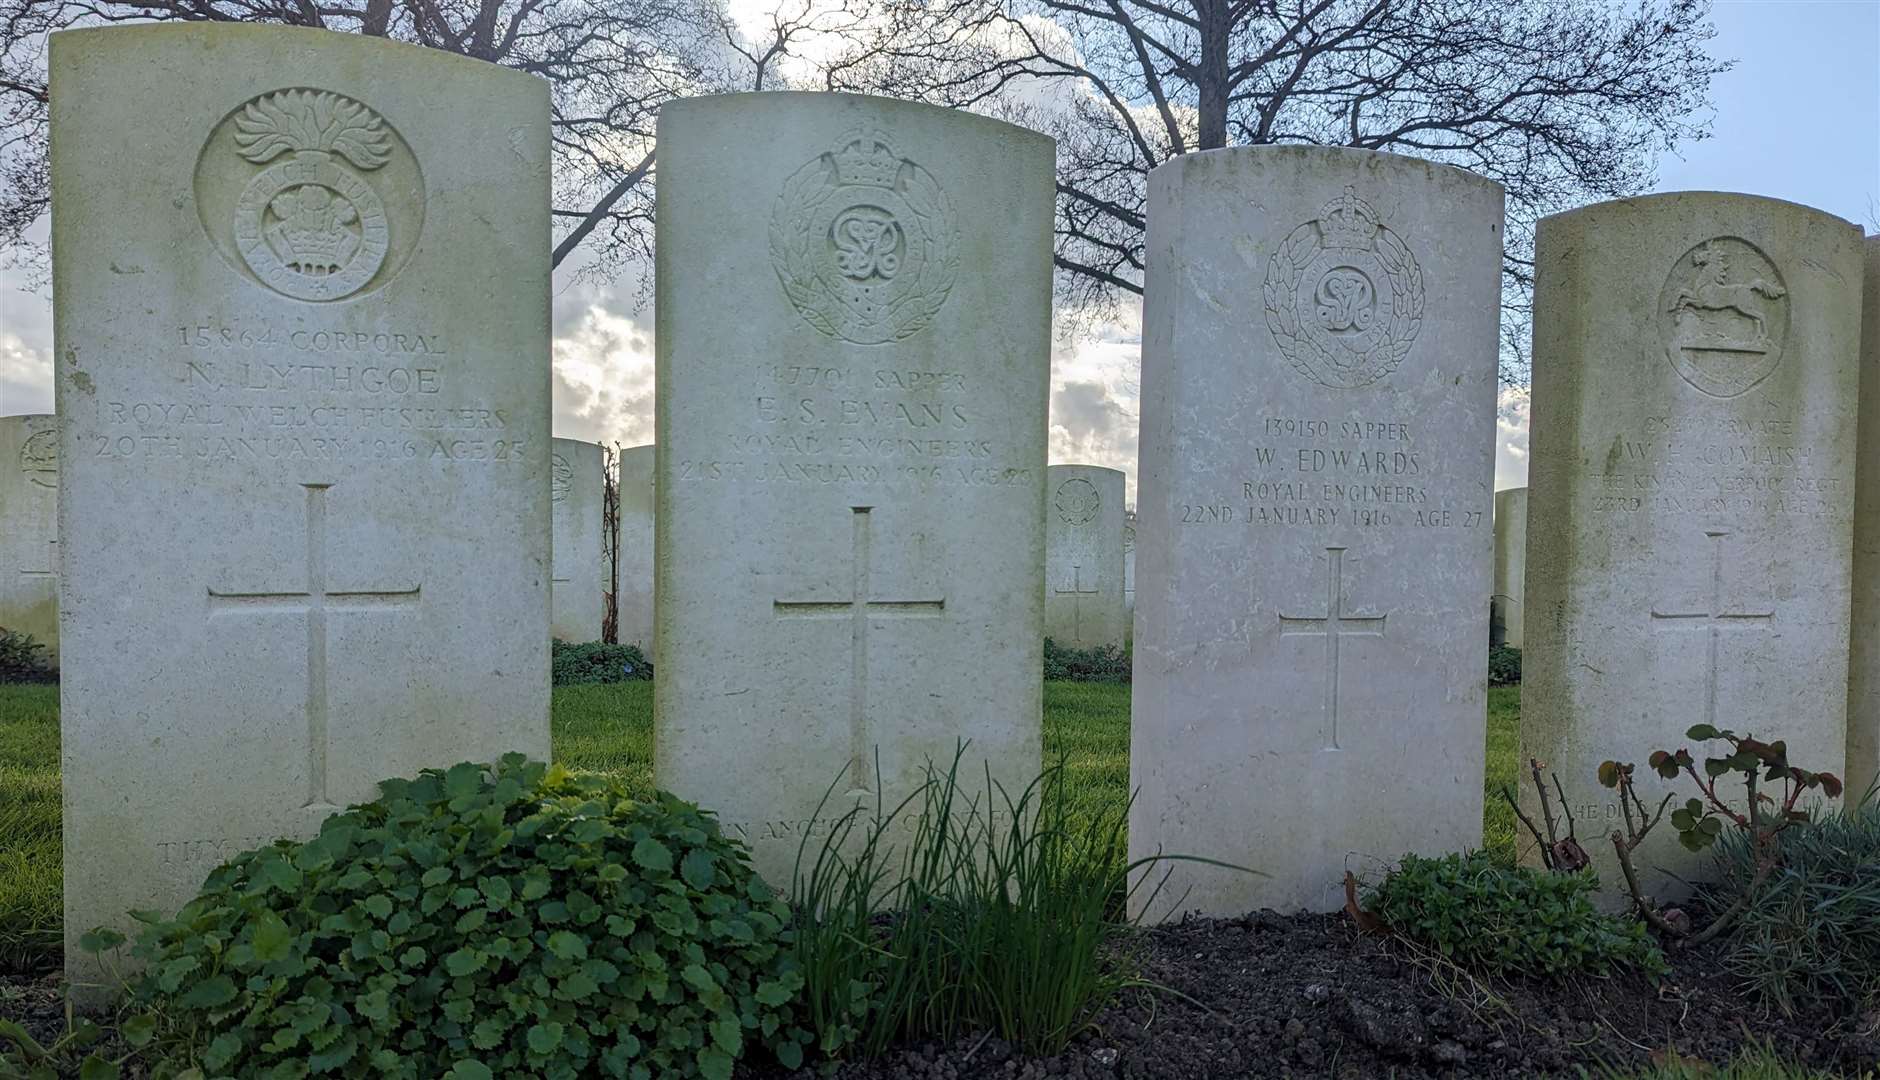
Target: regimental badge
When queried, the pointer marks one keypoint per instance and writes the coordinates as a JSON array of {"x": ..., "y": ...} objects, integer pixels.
[
  {"x": 560, "y": 477},
  {"x": 39, "y": 458},
  {"x": 310, "y": 219},
  {"x": 1078, "y": 501},
  {"x": 1723, "y": 315},
  {"x": 1344, "y": 296},
  {"x": 1129, "y": 532},
  {"x": 864, "y": 241}
]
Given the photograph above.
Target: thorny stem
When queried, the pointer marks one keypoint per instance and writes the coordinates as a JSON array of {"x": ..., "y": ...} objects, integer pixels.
[{"x": 1547, "y": 854}]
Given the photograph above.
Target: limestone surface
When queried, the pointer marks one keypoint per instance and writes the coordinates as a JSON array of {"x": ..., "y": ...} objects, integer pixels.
[
  {"x": 300, "y": 286},
  {"x": 633, "y": 552},
  {"x": 1083, "y": 560},
  {"x": 577, "y": 486},
  {"x": 1129, "y": 563},
  {"x": 1692, "y": 479},
  {"x": 854, "y": 300},
  {"x": 1863, "y": 676},
  {"x": 29, "y": 528},
  {"x": 1314, "y": 545},
  {"x": 1506, "y": 612}
]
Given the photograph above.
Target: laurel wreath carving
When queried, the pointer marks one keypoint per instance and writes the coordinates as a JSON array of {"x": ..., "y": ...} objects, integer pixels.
[
  {"x": 795, "y": 255},
  {"x": 1281, "y": 293}
]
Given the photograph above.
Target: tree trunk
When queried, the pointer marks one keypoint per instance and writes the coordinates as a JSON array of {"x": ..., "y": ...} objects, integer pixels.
[{"x": 1215, "y": 35}]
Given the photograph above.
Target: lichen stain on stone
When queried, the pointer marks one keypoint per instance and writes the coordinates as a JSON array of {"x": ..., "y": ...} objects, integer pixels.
[
  {"x": 1615, "y": 454},
  {"x": 81, "y": 381}
]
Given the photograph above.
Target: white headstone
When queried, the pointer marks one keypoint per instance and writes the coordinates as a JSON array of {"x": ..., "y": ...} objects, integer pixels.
[
  {"x": 851, "y": 471},
  {"x": 29, "y": 528},
  {"x": 1318, "y": 427},
  {"x": 633, "y": 552},
  {"x": 1083, "y": 561},
  {"x": 302, "y": 379},
  {"x": 1692, "y": 485},
  {"x": 1863, "y": 676},
  {"x": 1129, "y": 563},
  {"x": 577, "y": 486},
  {"x": 1506, "y": 610}
]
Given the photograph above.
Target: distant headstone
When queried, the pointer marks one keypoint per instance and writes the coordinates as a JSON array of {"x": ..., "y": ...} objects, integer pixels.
[
  {"x": 851, "y": 471},
  {"x": 29, "y": 528},
  {"x": 1129, "y": 563},
  {"x": 1506, "y": 612},
  {"x": 1083, "y": 562},
  {"x": 1318, "y": 427},
  {"x": 633, "y": 552},
  {"x": 1689, "y": 534},
  {"x": 302, "y": 382},
  {"x": 1863, "y": 702},
  {"x": 577, "y": 486}
]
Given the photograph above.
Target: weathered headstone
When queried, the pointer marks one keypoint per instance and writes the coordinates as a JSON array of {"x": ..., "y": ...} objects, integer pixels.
[
  {"x": 633, "y": 552},
  {"x": 1863, "y": 677},
  {"x": 29, "y": 528},
  {"x": 1689, "y": 534},
  {"x": 1506, "y": 612},
  {"x": 577, "y": 486},
  {"x": 1083, "y": 561},
  {"x": 851, "y": 471},
  {"x": 1129, "y": 563},
  {"x": 1319, "y": 379},
  {"x": 302, "y": 383}
]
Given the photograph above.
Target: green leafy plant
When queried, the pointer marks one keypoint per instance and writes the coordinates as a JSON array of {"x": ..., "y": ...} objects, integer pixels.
[
  {"x": 596, "y": 662},
  {"x": 1504, "y": 665},
  {"x": 1809, "y": 937},
  {"x": 78, "y": 1051},
  {"x": 22, "y": 659},
  {"x": 947, "y": 914},
  {"x": 1761, "y": 821},
  {"x": 479, "y": 922},
  {"x": 1500, "y": 920},
  {"x": 1099, "y": 663}
]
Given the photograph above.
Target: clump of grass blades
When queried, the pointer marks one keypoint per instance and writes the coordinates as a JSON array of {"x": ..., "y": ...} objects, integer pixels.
[
  {"x": 946, "y": 914},
  {"x": 1810, "y": 939},
  {"x": 1754, "y": 1063}
]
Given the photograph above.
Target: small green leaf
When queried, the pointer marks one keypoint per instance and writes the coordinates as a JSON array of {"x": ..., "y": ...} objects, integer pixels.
[
  {"x": 1701, "y": 732},
  {"x": 463, "y": 962},
  {"x": 567, "y": 945},
  {"x": 138, "y": 1030},
  {"x": 272, "y": 939},
  {"x": 545, "y": 1037},
  {"x": 469, "y": 1070},
  {"x": 652, "y": 855},
  {"x": 103, "y": 939},
  {"x": 697, "y": 869},
  {"x": 1609, "y": 773},
  {"x": 97, "y": 1067},
  {"x": 209, "y": 994}
]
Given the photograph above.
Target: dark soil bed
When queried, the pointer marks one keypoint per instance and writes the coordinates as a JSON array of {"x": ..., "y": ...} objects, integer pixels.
[{"x": 1306, "y": 996}]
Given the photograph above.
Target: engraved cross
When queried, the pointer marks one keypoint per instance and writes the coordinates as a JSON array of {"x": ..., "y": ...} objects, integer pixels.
[
  {"x": 314, "y": 603},
  {"x": 1713, "y": 619},
  {"x": 1077, "y": 593},
  {"x": 1335, "y": 625},
  {"x": 860, "y": 610}
]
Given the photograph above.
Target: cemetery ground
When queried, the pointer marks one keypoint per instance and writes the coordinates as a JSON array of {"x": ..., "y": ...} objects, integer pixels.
[{"x": 1262, "y": 995}]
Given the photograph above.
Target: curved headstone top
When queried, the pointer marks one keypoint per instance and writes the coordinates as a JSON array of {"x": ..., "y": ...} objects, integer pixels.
[
  {"x": 1692, "y": 470},
  {"x": 1319, "y": 375},
  {"x": 303, "y": 382},
  {"x": 1084, "y": 603},
  {"x": 854, "y": 306}
]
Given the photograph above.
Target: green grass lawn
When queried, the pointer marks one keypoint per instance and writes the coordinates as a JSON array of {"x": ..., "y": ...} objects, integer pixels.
[{"x": 603, "y": 729}]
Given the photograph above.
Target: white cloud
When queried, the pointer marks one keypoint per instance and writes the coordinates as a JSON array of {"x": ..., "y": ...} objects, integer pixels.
[{"x": 1511, "y": 438}]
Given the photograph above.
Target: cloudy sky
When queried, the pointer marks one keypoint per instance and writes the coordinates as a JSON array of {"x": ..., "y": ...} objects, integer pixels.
[{"x": 1797, "y": 119}]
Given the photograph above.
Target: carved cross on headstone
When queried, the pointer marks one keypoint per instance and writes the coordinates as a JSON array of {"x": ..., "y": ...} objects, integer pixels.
[
  {"x": 1077, "y": 593},
  {"x": 1335, "y": 625},
  {"x": 313, "y": 603},
  {"x": 860, "y": 609},
  {"x": 1713, "y": 620}
]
